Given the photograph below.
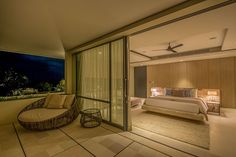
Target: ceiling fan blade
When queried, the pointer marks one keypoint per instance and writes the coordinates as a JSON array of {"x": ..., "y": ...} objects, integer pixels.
[
  {"x": 177, "y": 46},
  {"x": 172, "y": 50}
]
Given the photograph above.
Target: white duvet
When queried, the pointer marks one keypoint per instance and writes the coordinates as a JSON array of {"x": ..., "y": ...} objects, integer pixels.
[{"x": 185, "y": 104}]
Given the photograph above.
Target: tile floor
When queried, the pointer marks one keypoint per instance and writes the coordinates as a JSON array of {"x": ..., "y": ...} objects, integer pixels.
[{"x": 106, "y": 141}]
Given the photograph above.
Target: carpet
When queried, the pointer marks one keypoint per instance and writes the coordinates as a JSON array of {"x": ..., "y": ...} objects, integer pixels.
[{"x": 189, "y": 131}]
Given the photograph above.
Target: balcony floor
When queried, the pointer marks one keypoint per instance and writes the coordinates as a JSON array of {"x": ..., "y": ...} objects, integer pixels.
[{"x": 104, "y": 141}]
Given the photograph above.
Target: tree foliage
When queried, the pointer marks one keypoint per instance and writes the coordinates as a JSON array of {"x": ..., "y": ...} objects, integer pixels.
[
  {"x": 11, "y": 80},
  {"x": 44, "y": 86},
  {"x": 61, "y": 86}
]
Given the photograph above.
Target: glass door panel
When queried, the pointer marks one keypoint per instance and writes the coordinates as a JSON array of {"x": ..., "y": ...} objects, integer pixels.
[
  {"x": 93, "y": 80},
  {"x": 117, "y": 81},
  {"x": 100, "y": 81},
  {"x": 93, "y": 73}
]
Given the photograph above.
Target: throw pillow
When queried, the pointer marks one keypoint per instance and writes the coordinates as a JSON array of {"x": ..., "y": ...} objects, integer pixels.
[{"x": 56, "y": 101}]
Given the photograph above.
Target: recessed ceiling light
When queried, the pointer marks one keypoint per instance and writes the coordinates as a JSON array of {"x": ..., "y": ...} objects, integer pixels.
[{"x": 100, "y": 52}]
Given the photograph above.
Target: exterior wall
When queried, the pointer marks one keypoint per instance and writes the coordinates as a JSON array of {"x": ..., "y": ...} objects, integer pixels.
[
  {"x": 210, "y": 74},
  {"x": 10, "y": 109}
]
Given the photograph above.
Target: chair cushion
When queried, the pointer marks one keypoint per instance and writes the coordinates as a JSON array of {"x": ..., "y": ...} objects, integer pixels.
[
  {"x": 49, "y": 96},
  {"x": 69, "y": 101},
  {"x": 40, "y": 114},
  {"x": 56, "y": 101}
]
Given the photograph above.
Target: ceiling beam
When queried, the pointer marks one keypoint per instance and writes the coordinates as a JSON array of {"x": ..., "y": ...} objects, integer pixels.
[
  {"x": 188, "y": 53},
  {"x": 140, "y": 54},
  {"x": 184, "y": 54}
]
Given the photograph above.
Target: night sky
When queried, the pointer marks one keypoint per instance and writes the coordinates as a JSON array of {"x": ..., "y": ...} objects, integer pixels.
[{"x": 37, "y": 69}]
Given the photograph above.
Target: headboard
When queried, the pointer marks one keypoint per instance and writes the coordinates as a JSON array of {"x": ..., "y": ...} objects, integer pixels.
[{"x": 206, "y": 94}]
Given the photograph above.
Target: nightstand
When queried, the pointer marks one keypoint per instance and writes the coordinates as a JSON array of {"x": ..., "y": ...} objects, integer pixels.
[{"x": 213, "y": 107}]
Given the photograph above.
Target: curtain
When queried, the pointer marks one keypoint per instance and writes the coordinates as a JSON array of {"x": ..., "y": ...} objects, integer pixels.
[
  {"x": 117, "y": 82},
  {"x": 93, "y": 78}
]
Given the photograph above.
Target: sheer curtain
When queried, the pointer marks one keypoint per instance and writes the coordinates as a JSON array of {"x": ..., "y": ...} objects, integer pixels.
[
  {"x": 117, "y": 81},
  {"x": 95, "y": 69},
  {"x": 93, "y": 79}
]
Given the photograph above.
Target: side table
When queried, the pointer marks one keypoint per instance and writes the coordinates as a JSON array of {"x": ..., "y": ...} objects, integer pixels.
[
  {"x": 90, "y": 118},
  {"x": 213, "y": 107}
]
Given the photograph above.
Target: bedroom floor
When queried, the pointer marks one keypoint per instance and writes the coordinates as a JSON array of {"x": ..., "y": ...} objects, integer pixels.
[{"x": 222, "y": 134}]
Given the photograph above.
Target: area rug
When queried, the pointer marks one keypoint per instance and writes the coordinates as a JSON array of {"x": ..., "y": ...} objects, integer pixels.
[{"x": 189, "y": 131}]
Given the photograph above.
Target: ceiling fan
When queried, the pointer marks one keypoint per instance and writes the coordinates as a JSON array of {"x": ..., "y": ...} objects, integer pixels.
[{"x": 170, "y": 48}]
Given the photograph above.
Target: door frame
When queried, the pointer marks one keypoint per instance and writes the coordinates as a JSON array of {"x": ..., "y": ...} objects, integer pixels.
[{"x": 125, "y": 82}]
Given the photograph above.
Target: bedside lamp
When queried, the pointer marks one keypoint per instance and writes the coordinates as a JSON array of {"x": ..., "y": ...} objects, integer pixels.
[
  {"x": 154, "y": 92},
  {"x": 212, "y": 95}
]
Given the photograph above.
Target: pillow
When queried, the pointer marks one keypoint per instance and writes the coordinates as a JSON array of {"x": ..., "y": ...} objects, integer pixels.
[
  {"x": 168, "y": 91},
  {"x": 181, "y": 92},
  {"x": 69, "y": 101},
  {"x": 49, "y": 96},
  {"x": 193, "y": 93},
  {"x": 56, "y": 101}
]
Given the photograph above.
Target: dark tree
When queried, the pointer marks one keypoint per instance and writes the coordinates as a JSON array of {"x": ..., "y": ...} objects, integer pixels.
[
  {"x": 44, "y": 86},
  {"x": 11, "y": 80}
]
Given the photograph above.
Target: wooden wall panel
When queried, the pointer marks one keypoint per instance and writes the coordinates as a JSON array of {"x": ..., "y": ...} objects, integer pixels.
[
  {"x": 163, "y": 75},
  {"x": 227, "y": 83},
  {"x": 178, "y": 77},
  {"x": 214, "y": 73},
  {"x": 192, "y": 74},
  {"x": 151, "y": 78},
  {"x": 234, "y": 82},
  {"x": 202, "y": 74}
]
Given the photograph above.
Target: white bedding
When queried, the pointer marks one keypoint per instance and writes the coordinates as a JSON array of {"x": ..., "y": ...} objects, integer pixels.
[{"x": 192, "y": 105}]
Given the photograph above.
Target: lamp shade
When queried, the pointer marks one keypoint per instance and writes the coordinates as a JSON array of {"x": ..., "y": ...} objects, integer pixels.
[
  {"x": 212, "y": 93},
  {"x": 154, "y": 89}
]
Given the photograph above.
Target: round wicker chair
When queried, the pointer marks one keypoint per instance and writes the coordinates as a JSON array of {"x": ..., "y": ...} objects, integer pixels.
[{"x": 60, "y": 120}]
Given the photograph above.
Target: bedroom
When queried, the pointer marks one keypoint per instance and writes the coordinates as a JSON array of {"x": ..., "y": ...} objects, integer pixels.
[{"x": 182, "y": 82}]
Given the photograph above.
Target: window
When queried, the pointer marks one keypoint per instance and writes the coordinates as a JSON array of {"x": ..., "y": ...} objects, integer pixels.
[{"x": 26, "y": 76}]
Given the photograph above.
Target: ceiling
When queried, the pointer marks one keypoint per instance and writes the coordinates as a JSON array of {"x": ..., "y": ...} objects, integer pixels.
[
  {"x": 48, "y": 28},
  {"x": 216, "y": 28}
]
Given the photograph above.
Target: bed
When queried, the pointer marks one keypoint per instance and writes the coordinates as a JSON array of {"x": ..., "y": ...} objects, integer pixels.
[
  {"x": 185, "y": 107},
  {"x": 135, "y": 101}
]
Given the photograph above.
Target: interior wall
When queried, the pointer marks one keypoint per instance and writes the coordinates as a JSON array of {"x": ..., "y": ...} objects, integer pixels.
[
  {"x": 140, "y": 81},
  {"x": 131, "y": 81},
  {"x": 10, "y": 109},
  {"x": 211, "y": 74}
]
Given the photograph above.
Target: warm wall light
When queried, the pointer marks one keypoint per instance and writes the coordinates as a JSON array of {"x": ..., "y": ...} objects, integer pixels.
[
  {"x": 154, "y": 89},
  {"x": 212, "y": 93}
]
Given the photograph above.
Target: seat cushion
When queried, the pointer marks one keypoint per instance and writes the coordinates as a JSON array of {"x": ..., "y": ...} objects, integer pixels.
[
  {"x": 40, "y": 114},
  {"x": 56, "y": 101},
  {"x": 69, "y": 101},
  {"x": 49, "y": 96}
]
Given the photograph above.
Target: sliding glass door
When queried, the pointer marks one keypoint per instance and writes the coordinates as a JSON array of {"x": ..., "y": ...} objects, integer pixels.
[
  {"x": 93, "y": 79},
  {"x": 101, "y": 77}
]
